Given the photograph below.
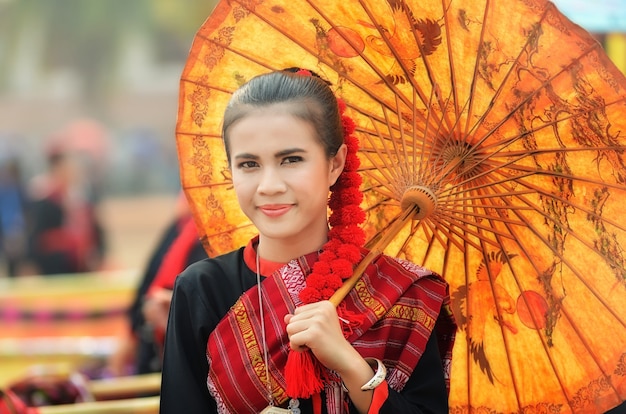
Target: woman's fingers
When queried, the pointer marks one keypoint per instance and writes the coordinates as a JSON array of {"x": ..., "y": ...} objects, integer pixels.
[{"x": 316, "y": 327}]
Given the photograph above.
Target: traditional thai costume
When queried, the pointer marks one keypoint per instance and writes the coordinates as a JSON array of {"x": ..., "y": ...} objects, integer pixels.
[{"x": 214, "y": 337}]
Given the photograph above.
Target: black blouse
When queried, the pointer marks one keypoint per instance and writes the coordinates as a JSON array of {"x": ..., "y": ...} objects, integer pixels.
[{"x": 203, "y": 294}]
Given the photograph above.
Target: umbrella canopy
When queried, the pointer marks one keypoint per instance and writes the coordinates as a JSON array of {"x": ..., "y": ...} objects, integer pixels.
[{"x": 504, "y": 123}]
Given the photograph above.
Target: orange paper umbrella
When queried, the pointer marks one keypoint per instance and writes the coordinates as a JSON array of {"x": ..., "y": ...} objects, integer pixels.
[{"x": 504, "y": 123}]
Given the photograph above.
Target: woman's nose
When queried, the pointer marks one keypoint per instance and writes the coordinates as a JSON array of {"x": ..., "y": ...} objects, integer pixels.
[{"x": 271, "y": 181}]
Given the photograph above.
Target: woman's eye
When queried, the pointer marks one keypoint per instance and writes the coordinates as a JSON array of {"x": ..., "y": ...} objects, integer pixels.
[
  {"x": 247, "y": 164},
  {"x": 292, "y": 159}
]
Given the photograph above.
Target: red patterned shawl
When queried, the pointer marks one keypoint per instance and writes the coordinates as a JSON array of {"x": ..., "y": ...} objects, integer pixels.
[{"x": 401, "y": 302}]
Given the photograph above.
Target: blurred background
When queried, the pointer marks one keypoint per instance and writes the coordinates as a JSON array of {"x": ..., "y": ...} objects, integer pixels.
[
  {"x": 98, "y": 80},
  {"x": 88, "y": 104},
  {"x": 106, "y": 72}
]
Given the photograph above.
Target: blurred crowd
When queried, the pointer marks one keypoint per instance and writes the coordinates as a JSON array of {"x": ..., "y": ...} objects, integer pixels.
[
  {"x": 50, "y": 222},
  {"x": 52, "y": 191}
]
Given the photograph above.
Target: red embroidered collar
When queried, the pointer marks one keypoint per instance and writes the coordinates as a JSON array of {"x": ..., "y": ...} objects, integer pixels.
[{"x": 267, "y": 267}]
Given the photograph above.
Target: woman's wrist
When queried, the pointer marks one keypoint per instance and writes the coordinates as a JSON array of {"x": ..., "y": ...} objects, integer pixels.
[{"x": 378, "y": 377}]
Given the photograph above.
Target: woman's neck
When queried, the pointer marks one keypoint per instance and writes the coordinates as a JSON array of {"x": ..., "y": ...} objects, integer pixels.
[{"x": 283, "y": 250}]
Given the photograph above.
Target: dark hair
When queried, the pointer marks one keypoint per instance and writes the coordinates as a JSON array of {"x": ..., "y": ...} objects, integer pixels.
[{"x": 308, "y": 97}]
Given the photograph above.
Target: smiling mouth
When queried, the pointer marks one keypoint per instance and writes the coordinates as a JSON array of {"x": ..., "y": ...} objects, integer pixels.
[{"x": 275, "y": 210}]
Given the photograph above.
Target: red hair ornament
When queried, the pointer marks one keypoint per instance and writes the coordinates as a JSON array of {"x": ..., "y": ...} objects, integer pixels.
[{"x": 304, "y": 374}]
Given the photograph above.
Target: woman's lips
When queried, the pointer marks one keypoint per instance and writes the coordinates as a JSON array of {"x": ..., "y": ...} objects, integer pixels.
[{"x": 275, "y": 210}]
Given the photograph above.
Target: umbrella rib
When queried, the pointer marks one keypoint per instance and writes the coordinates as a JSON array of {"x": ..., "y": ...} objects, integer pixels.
[
  {"x": 417, "y": 167},
  {"x": 380, "y": 74},
  {"x": 501, "y": 145},
  {"x": 415, "y": 224},
  {"x": 472, "y": 93},
  {"x": 430, "y": 236},
  {"x": 568, "y": 230},
  {"x": 453, "y": 222},
  {"x": 505, "y": 340},
  {"x": 498, "y": 92},
  {"x": 448, "y": 231},
  {"x": 554, "y": 174},
  {"x": 345, "y": 75},
  {"x": 527, "y": 98},
  {"x": 195, "y": 134},
  {"x": 380, "y": 203},
  {"x": 230, "y": 230},
  {"x": 522, "y": 154},
  {"x": 443, "y": 139},
  {"x": 453, "y": 215},
  {"x": 567, "y": 315},
  {"x": 431, "y": 74},
  {"x": 468, "y": 348},
  {"x": 388, "y": 165},
  {"x": 533, "y": 189},
  {"x": 421, "y": 165},
  {"x": 402, "y": 164},
  {"x": 381, "y": 189},
  {"x": 523, "y": 102},
  {"x": 527, "y": 172},
  {"x": 449, "y": 43},
  {"x": 534, "y": 152},
  {"x": 209, "y": 185},
  {"x": 436, "y": 174},
  {"x": 445, "y": 202},
  {"x": 396, "y": 55},
  {"x": 204, "y": 85},
  {"x": 552, "y": 123},
  {"x": 499, "y": 311},
  {"x": 584, "y": 209}
]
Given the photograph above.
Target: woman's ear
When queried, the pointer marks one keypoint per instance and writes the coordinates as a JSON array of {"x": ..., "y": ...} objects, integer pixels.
[{"x": 337, "y": 162}]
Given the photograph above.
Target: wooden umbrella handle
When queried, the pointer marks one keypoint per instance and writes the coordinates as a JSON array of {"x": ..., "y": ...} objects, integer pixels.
[{"x": 376, "y": 250}]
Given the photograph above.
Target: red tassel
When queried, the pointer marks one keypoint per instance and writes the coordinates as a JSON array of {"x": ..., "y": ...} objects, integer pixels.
[{"x": 303, "y": 375}]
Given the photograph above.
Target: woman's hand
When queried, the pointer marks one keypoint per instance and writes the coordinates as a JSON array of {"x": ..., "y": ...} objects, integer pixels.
[{"x": 316, "y": 326}]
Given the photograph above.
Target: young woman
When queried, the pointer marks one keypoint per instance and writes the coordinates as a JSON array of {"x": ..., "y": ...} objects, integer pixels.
[{"x": 235, "y": 319}]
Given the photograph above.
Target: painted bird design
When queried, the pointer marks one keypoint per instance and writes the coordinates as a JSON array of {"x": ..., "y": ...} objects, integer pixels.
[
  {"x": 408, "y": 39},
  {"x": 487, "y": 296}
]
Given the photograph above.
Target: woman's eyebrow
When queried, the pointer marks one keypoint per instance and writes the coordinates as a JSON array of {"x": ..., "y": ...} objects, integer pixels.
[
  {"x": 279, "y": 154},
  {"x": 289, "y": 151},
  {"x": 246, "y": 156}
]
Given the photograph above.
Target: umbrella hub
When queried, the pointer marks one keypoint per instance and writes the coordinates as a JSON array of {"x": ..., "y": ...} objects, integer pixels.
[
  {"x": 458, "y": 160},
  {"x": 424, "y": 200}
]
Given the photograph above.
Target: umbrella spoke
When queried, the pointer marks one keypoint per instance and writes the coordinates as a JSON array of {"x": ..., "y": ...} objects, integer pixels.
[
  {"x": 500, "y": 313},
  {"x": 472, "y": 94},
  {"x": 542, "y": 87},
  {"x": 445, "y": 237},
  {"x": 563, "y": 310},
  {"x": 526, "y": 100},
  {"x": 553, "y": 123},
  {"x": 471, "y": 219},
  {"x": 421, "y": 164},
  {"x": 399, "y": 146},
  {"x": 402, "y": 18},
  {"x": 387, "y": 166},
  {"x": 557, "y": 253}
]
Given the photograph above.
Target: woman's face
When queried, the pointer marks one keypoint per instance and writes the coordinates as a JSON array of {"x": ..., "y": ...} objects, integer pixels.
[{"x": 282, "y": 178}]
